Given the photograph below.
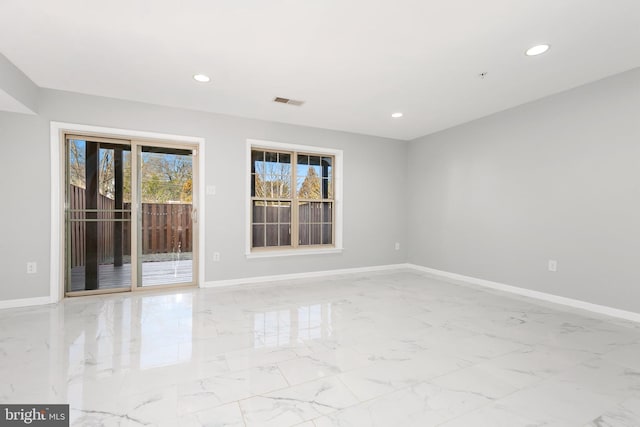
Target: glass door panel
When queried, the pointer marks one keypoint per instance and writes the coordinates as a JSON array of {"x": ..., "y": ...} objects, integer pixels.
[
  {"x": 166, "y": 225},
  {"x": 98, "y": 216}
]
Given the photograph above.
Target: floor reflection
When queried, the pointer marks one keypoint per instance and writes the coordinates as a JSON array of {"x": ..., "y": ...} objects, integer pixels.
[
  {"x": 132, "y": 334},
  {"x": 166, "y": 338},
  {"x": 283, "y": 327}
]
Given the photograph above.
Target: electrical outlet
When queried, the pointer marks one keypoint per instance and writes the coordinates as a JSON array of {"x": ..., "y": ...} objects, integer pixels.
[
  {"x": 553, "y": 265},
  {"x": 211, "y": 190},
  {"x": 397, "y": 246},
  {"x": 216, "y": 256},
  {"x": 32, "y": 267}
]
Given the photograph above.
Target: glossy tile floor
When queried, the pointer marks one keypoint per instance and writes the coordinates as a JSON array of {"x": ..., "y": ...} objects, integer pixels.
[{"x": 383, "y": 349}]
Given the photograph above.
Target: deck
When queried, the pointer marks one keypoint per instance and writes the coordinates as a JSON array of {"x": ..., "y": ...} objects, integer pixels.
[{"x": 153, "y": 273}]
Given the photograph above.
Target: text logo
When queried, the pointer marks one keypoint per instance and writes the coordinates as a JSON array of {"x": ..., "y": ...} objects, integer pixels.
[{"x": 34, "y": 415}]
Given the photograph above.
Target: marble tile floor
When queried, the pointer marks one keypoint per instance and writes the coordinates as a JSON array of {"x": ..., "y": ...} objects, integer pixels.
[{"x": 382, "y": 349}]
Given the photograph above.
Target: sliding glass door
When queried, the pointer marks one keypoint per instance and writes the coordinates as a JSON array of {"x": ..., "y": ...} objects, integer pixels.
[
  {"x": 129, "y": 215},
  {"x": 166, "y": 219}
]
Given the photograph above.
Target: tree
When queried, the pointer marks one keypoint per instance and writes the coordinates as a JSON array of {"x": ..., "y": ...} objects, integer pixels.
[
  {"x": 165, "y": 177},
  {"x": 275, "y": 187},
  {"x": 126, "y": 182},
  {"x": 154, "y": 190},
  {"x": 187, "y": 191},
  {"x": 311, "y": 186},
  {"x": 259, "y": 186},
  {"x": 106, "y": 174},
  {"x": 77, "y": 163}
]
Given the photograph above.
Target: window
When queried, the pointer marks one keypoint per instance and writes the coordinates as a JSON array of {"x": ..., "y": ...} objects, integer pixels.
[{"x": 292, "y": 198}]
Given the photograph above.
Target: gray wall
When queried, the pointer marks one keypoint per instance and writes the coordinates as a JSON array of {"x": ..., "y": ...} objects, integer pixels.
[
  {"x": 17, "y": 85},
  {"x": 554, "y": 179},
  {"x": 374, "y": 168},
  {"x": 495, "y": 198}
]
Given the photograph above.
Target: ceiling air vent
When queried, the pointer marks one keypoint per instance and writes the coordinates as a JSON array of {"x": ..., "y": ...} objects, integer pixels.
[{"x": 288, "y": 101}]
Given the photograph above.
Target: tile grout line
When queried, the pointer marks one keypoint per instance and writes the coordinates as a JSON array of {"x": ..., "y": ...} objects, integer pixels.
[{"x": 283, "y": 375}]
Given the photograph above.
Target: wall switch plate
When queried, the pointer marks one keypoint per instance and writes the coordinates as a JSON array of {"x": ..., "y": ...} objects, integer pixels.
[
  {"x": 32, "y": 267},
  {"x": 210, "y": 190},
  {"x": 553, "y": 265},
  {"x": 216, "y": 256},
  {"x": 397, "y": 246}
]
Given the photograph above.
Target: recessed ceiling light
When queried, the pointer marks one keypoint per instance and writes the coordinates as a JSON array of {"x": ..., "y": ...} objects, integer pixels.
[
  {"x": 202, "y": 78},
  {"x": 396, "y": 115},
  {"x": 537, "y": 50}
]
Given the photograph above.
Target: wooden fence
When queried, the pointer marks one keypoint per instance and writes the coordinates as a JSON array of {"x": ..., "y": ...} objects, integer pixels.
[
  {"x": 165, "y": 228},
  {"x": 272, "y": 224}
]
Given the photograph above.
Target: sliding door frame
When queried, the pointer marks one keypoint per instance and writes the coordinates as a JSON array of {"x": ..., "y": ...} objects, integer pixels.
[
  {"x": 136, "y": 243},
  {"x": 59, "y": 132},
  {"x": 67, "y": 138}
]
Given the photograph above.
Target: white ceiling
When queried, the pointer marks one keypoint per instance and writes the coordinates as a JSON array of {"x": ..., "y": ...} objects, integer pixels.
[{"x": 354, "y": 62}]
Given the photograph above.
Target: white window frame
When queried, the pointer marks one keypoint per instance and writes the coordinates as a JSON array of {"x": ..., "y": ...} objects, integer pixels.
[{"x": 338, "y": 180}]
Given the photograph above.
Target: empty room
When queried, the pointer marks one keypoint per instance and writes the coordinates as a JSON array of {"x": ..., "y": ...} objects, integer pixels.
[{"x": 320, "y": 213}]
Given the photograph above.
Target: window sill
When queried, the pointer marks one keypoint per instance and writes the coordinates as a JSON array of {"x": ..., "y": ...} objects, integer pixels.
[{"x": 285, "y": 253}]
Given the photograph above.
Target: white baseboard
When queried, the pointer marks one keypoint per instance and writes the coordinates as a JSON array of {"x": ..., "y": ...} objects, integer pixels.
[
  {"x": 570, "y": 302},
  {"x": 24, "y": 302},
  {"x": 596, "y": 308},
  {"x": 294, "y": 276}
]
